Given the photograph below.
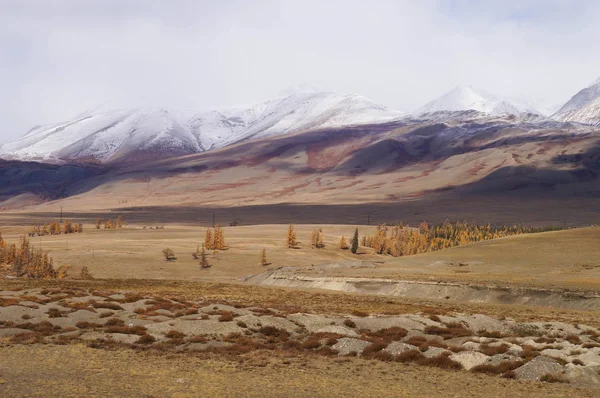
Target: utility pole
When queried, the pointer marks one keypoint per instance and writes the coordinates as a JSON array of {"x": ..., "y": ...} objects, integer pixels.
[
  {"x": 213, "y": 219},
  {"x": 61, "y": 215}
]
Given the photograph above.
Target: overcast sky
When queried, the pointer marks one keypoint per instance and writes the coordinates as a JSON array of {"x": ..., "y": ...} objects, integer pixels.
[{"x": 59, "y": 58}]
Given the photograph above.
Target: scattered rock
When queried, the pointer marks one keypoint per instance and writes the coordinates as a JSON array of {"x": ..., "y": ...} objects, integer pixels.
[
  {"x": 345, "y": 346},
  {"x": 397, "y": 347},
  {"x": 469, "y": 359},
  {"x": 538, "y": 367},
  {"x": 433, "y": 352},
  {"x": 343, "y": 330}
]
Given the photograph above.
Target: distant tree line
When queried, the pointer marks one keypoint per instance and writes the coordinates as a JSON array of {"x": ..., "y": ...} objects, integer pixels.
[
  {"x": 110, "y": 223},
  {"x": 400, "y": 240},
  {"x": 56, "y": 228}
]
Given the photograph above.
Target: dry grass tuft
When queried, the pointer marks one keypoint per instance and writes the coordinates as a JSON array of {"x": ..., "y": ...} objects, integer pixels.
[{"x": 554, "y": 378}]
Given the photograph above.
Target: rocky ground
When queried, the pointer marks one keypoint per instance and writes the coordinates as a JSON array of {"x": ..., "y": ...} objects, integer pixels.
[{"x": 544, "y": 351}]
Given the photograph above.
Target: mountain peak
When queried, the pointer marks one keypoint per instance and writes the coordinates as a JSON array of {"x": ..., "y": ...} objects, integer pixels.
[
  {"x": 594, "y": 83},
  {"x": 466, "y": 97}
]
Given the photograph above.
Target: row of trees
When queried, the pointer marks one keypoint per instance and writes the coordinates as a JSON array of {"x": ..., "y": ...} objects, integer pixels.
[
  {"x": 110, "y": 223},
  {"x": 25, "y": 260},
  {"x": 56, "y": 228},
  {"x": 400, "y": 240},
  {"x": 316, "y": 240}
]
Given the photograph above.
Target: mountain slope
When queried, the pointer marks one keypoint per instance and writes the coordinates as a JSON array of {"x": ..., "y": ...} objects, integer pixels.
[
  {"x": 583, "y": 107},
  {"x": 463, "y": 98},
  {"x": 123, "y": 135}
]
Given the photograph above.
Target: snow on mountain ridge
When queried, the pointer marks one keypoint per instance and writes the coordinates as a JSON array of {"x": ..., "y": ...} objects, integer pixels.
[
  {"x": 463, "y": 98},
  {"x": 583, "y": 107},
  {"x": 107, "y": 135}
]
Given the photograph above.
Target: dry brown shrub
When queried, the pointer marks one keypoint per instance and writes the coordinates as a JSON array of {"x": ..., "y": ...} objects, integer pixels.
[
  {"x": 451, "y": 330},
  {"x": 409, "y": 356},
  {"x": 77, "y": 306},
  {"x": 226, "y": 316},
  {"x": 6, "y": 302},
  {"x": 493, "y": 334},
  {"x": 274, "y": 332},
  {"x": 573, "y": 339},
  {"x": 187, "y": 311},
  {"x": 114, "y": 322},
  {"x": 554, "y": 378},
  {"x": 394, "y": 333},
  {"x": 131, "y": 298},
  {"x": 27, "y": 338},
  {"x": 578, "y": 362},
  {"x": 435, "y": 318},
  {"x": 500, "y": 368},
  {"x": 311, "y": 343},
  {"x": 106, "y": 305},
  {"x": 509, "y": 374},
  {"x": 106, "y": 314},
  {"x": 350, "y": 323},
  {"x": 146, "y": 339},
  {"x": 416, "y": 340},
  {"x": 198, "y": 339},
  {"x": 138, "y": 329},
  {"x": 54, "y": 313},
  {"x": 441, "y": 361},
  {"x": 175, "y": 334},
  {"x": 326, "y": 351},
  {"x": 529, "y": 352},
  {"x": 45, "y": 328},
  {"x": 493, "y": 350},
  {"x": 374, "y": 347},
  {"x": 87, "y": 325},
  {"x": 360, "y": 314}
]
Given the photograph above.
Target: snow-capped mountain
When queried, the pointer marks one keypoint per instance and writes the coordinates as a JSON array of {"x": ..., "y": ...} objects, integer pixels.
[
  {"x": 463, "y": 98},
  {"x": 583, "y": 107},
  {"x": 109, "y": 135}
]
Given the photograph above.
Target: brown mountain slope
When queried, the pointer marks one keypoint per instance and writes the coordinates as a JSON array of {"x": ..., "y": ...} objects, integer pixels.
[{"x": 388, "y": 165}]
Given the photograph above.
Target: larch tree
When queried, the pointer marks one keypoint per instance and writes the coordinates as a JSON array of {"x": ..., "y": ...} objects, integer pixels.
[
  {"x": 291, "y": 237},
  {"x": 263, "y": 258},
  {"x": 354, "y": 247},
  {"x": 203, "y": 259},
  {"x": 219, "y": 239},
  {"x": 208, "y": 239},
  {"x": 343, "y": 244}
]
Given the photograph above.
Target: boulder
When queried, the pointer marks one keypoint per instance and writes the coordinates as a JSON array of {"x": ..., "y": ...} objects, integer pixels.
[
  {"x": 397, "y": 347},
  {"x": 538, "y": 367},
  {"x": 583, "y": 375},
  {"x": 433, "y": 352},
  {"x": 343, "y": 330},
  {"x": 345, "y": 346},
  {"x": 469, "y": 359}
]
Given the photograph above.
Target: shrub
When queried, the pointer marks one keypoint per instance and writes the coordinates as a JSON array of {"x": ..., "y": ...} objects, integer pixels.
[
  {"x": 578, "y": 362},
  {"x": 87, "y": 325},
  {"x": 441, "y": 361},
  {"x": 175, "y": 334},
  {"x": 54, "y": 313},
  {"x": 114, "y": 322},
  {"x": 409, "y": 356},
  {"x": 106, "y": 314},
  {"x": 493, "y": 350},
  {"x": 168, "y": 254},
  {"x": 105, "y": 305},
  {"x": 311, "y": 343},
  {"x": 360, "y": 314},
  {"x": 501, "y": 368},
  {"x": 373, "y": 348},
  {"x": 275, "y": 332},
  {"x": 145, "y": 339},
  {"x": 226, "y": 316},
  {"x": 553, "y": 378},
  {"x": 573, "y": 339},
  {"x": 139, "y": 330},
  {"x": 350, "y": 323},
  {"x": 394, "y": 333}
]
